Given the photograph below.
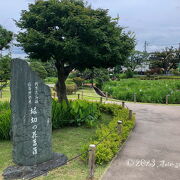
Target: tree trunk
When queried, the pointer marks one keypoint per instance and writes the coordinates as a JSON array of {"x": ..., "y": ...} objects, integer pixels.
[{"x": 60, "y": 85}]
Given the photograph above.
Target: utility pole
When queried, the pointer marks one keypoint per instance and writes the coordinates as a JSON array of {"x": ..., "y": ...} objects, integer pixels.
[
  {"x": 118, "y": 17},
  {"x": 145, "y": 46}
]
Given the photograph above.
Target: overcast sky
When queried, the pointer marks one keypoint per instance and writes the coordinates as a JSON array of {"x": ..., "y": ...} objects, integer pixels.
[{"x": 154, "y": 21}]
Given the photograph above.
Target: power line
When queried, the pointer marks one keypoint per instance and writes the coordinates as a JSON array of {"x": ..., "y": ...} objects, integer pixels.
[{"x": 158, "y": 44}]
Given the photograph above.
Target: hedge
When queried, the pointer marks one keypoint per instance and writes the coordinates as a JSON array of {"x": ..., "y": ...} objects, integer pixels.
[{"x": 106, "y": 150}]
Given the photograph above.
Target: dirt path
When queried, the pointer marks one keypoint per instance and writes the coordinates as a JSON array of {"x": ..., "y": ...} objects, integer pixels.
[{"x": 153, "y": 150}]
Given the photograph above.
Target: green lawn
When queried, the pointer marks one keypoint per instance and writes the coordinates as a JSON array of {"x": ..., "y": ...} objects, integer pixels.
[
  {"x": 5, "y": 94},
  {"x": 85, "y": 91},
  {"x": 68, "y": 141}
]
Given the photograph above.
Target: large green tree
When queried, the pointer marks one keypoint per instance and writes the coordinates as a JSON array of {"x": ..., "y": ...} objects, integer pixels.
[
  {"x": 166, "y": 59},
  {"x": 135, "y": 59},
  {"x": 73, "y": 35},
  {"x": 5, "y": 38}
]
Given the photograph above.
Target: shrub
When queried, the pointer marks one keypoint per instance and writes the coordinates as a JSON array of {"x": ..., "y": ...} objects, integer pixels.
[
  {"x": 70, "y": 88},
  {"x": 176, "y": 72},
  {"x": 77, "y": 113},
  {"x": 129, "y": 73},
  {"x": 4, "y": 106},
  {"x": 51, "y": 80},
  {"x": 5, "y": 125},
  {"x": 121, "y": 76},
  {"x": 78, "y": 81},
  {"x": 5, "y": 115},
  {"x": 108, "y": 148}
]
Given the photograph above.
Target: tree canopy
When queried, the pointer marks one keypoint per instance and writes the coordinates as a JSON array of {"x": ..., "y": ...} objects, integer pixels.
[
  {"x": 5, "y": 38},
  {"x": 4, "y": 71},
  {"x": 136, "y": 58},
  {"x": 73, "y": 35},
  {"x": 39, "y": 69},
  {"x": 166, "y": 59}
]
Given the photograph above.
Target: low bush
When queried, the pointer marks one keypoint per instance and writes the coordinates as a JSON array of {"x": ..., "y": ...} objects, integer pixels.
[
  {"x": 5, "y": 125},
  {"x": 77, "y": 113},
  {"x": 121, "y": 76},
  {"x": 5, "y": 116},
  {"x": 78, "y": 81},
  {"x": 108, "y": 148},
  {"x": 70, "y": 88},
  {"x": 51, "y": 80},
  {"x": 129, "y": 73}
]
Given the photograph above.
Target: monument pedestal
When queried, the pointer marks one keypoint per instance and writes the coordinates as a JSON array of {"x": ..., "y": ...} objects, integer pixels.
[{"x": 29, "y": 172}]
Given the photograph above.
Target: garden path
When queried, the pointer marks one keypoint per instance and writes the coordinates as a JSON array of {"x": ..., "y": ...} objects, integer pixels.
[{"x": 156, "y": 138}]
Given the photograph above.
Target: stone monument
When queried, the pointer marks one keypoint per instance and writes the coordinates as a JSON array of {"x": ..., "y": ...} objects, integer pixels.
[{"x": 31, "y": 124}]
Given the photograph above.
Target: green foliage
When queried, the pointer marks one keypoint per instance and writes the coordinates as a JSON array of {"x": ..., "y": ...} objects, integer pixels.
[
  {"x": 4, "y": 106},
  {"x": 79, "y": 81},
  {"x": 5, "y": 125},
  {"x": 50, "y": 68},
  {"x": 97, "y": 75},
  {"x": 77, "y": 113},
  {"x": 39, "y": 68},
  {"x": 135, "y": 59},
  {"x": 166, "y": 59},
  {"x": 74, "y": 74},
  {"x": 69, "y": 31},
  {"x": 5, "y": 116},
  {"x": 129, "y": 73},
  {"x": 101, "y": 76},
  {"x": 5, "y": 38},
  {"x": 109, "y": 147},
  {"x": 51, "y": 80},
  {"x": 121, "y": 76},
  {"x": 4, "y": 70},
  {"x": 176, "y": 72},
  {"x": 151, "y": 91},
  {"x": 69, "y": 81},
  {"x": 73, "y": 36},
  {"x": 70, "y": 88},
  {"x": 168, "y": 77},
  {"x": 110, "y": 108}
]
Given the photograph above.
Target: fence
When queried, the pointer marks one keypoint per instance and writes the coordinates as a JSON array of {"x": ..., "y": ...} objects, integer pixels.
[
  {"x": 105, "y": 99},
  {"x": 92, "y": 147},
  {"x": 92, "y": 151}
]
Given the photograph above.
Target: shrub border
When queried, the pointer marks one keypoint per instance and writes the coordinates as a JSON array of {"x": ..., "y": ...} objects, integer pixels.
[
  {"x": 120, "y": 149},
  {"x": 114, "y": 108}
]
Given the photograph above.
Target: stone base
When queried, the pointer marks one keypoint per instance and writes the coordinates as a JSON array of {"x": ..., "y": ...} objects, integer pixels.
[{"x": 29, "y": 172}]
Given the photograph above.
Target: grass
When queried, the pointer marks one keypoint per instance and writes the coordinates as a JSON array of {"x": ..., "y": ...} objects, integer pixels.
[
  {"x": 67, "y": 141},
  {"x": 149, "y": 91},
  {"x": 84, "y": 93},
  {"x": 5, "y": 94}
]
